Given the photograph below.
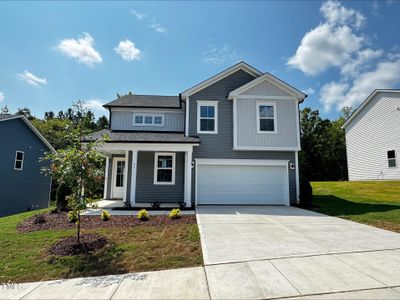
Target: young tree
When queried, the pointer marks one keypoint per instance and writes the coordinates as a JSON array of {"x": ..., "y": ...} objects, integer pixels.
[{"x": 78, "y": 166}]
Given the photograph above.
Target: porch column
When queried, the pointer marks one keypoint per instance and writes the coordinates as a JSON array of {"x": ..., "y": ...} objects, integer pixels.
[
  {"x": 106, "y": 171},
  {"x": 188, "y": 178},
  {"x": 125, "y": 175},
  {"x": 133, "y": 177}
]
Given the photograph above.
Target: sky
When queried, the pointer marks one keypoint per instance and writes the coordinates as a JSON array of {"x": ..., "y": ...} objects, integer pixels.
[{"x": 55, "y": 53}]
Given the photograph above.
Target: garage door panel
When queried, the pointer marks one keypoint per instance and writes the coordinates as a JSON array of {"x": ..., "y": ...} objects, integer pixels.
[{"x": 241, "y": 184}]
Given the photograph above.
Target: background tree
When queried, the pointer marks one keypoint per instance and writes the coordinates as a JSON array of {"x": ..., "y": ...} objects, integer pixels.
[
  {"x": 102, "y": 123},
  {"x": 4, "y": 110},
  {"x": 26, "y": 112},
  {"x": 79, "y": 165}
]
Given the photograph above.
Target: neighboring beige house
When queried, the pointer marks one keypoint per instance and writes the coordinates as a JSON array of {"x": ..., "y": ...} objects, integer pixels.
[{"x": 373, "y": 137}]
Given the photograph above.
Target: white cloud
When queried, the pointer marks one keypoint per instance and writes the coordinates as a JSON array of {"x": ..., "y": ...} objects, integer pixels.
[
  {"x": 81, "y": 50},
  {"x": 336, "y": 14},
  {"x": 139, "y": 15},
  {"x": 218, "y": 56},
  {"x": 1, "y": 96},
  {"x": 385, "y": 75},
  {"x": 361, "y": 62},
  {"x": 158, "y": 27},
  {"x": 128, "y": 51},
  {"x": 309, "y": 91},
  {"x": 94, "y": 104},
  {"x": 32, "y": 79}
]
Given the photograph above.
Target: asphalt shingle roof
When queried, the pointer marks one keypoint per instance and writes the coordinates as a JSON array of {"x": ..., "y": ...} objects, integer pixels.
[
  {"x": 6, "y": 116},
  {"x": 145, "y": 101},
  {"x": 143, "y": 137}
]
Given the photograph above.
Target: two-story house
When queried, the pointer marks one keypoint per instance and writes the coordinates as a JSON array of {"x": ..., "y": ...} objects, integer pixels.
[
  {"x": 373, "y": 137},
  {"x": 231, "y": 139}
]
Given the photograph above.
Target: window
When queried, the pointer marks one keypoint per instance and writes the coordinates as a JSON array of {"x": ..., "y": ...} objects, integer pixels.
[
  {"x": 119, "y": 179},
  {"x": 266, "y": 117},
  {"x": 207, "y": 116},
  {"x": 19, "y": 160},
  {"x": 391, "y": 156},
  {"x": 164, "y": 168},
  {"x": 148, "y": 120}
]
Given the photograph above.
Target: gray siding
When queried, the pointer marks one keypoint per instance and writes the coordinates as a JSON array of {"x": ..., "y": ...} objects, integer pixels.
[
  {"x": 27, "y": 189},
  {"x": 373, "y": 132},
  {"x": 173, "y": 121},
  {"x": 128, "y": 182},
  {"x": 265, "y": 88},
  {"x": 221, "y": 145},
  {"x": 286, "y": 119},
  {"x": 147, "y": 191}
]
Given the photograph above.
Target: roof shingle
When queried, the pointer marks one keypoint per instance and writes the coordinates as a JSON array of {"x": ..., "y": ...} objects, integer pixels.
[{"x": 145, "y": 101}]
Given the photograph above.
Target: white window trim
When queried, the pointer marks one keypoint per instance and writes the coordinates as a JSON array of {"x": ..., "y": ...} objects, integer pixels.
[
  {"x": 269, "y": 103},
  {"x": 207, "y": 103},
  {"x": 144, "y": 115},
  {"x": 156, "y": 155},
  {"x": 22, "y": 160},
  {"x": 395, "y": 158}
]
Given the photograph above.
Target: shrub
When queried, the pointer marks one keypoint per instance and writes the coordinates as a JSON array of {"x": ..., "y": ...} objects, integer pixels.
[
  {"x": 105, "y": 215},
  {"x": 94, "y": 205},
  {"x": 72, "y": 216},
  {"x": 143, "y": 215},
  {"x": 305, "y": 193},
  {"x": 175, "y": 214},
  {"x": 39, "y": 220}
]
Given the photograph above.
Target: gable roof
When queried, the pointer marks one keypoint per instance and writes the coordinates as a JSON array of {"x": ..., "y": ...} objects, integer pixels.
[
  {"x": 7, "y": 117},
  {"x": 300, "y": 96},
  {"x": 146, "y": 101},
  {"x": 239, "y": 66},
  {"x": 366, "y": 101}
]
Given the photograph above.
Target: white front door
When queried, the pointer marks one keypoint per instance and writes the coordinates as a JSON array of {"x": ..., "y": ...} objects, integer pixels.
[{"x": 118, "y": 178}]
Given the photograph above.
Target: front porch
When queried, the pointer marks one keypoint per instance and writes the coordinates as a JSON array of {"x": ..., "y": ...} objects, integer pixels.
[{"x": 142, "y": 175}]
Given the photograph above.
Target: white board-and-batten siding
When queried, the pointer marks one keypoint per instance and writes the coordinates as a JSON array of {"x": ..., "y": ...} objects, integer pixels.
[{"x": 373, "y": 132}]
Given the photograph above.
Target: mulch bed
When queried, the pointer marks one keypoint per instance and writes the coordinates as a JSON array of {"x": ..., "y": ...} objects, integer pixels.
[
  {"x": 70, "y": 246},
  {"x": 56, "y": 221}
]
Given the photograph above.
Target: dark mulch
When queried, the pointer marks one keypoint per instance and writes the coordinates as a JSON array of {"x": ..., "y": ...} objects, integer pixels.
[
  {"x": 70, "y": 246},
  {"x": 60, "y": 221}
]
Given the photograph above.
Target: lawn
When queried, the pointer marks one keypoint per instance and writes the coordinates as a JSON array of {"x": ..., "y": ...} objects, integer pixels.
[
  {"x": 375, "y": 203},
  {"x": 24, "y": 256}
]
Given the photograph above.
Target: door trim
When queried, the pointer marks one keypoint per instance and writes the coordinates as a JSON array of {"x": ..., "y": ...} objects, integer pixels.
[
  {"x": 245, "y": 162},
  {"x": 114, "y": 173}
]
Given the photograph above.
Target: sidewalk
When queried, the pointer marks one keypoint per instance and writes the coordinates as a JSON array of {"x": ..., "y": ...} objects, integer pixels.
[{"x": 186, "y": 283}]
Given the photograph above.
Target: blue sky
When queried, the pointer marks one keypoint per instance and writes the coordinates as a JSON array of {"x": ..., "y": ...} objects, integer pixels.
[{"x": 52, "y": 54}]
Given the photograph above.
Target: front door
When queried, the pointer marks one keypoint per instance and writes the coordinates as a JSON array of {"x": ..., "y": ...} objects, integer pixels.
[{"x": 118, "y": 178}]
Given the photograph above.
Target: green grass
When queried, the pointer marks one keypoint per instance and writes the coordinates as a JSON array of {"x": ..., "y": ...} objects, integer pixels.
[
  {"x": 24, "y": 256},
  {"x": 375, "y": 203}
]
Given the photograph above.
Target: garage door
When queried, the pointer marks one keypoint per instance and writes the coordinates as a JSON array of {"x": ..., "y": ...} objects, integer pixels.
[{"x": 242, "y": 184}]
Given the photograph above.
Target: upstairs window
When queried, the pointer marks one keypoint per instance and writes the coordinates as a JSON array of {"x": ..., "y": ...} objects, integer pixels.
[
  {"x": 19, "y": 160},
  {"x": 207, "y": 117},
  {"x": 164, "y": 168},
  {"x": 391, "y": 156},
  {"x": 266, "y": 117},
  {"x": 148, "y": 119}
]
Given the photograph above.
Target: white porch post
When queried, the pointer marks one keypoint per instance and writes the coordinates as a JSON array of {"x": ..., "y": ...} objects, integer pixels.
[
  {"x": 133, "y": 177},
  {"x": 188, "y": 178},
  {"x": 106, "y": 177},
  {"x": 125, "y": 175}
]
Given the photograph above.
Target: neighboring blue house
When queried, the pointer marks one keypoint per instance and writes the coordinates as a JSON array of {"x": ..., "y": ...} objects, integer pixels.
[
  {"x": 22, "y": 186},
  {"x": 231, "y": 139}
]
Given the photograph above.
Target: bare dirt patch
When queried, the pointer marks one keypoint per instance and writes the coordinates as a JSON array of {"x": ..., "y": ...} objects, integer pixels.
[{"x": 56, "y": 221}]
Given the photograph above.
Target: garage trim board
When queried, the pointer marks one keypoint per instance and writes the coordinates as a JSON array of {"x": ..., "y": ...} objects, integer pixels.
[{"x": 245, "y": 162}]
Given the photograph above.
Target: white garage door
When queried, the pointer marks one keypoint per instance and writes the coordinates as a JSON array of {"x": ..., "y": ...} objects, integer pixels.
[{"x": 242, "y": 184}]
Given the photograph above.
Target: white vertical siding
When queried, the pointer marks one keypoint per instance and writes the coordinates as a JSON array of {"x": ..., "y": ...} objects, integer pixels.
[{"x": 373, "y": 132}]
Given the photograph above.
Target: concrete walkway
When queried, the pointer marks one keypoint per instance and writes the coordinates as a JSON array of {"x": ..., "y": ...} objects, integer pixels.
[
  {"x": 256, "y": 252},
  {"x": 274, "y": 252}
]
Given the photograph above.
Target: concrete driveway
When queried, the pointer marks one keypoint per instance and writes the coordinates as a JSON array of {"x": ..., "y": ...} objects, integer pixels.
[{"x": 273, "y": 252}]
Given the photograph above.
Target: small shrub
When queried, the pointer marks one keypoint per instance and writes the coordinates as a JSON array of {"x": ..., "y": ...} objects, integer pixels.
[
  {"x": 305, "y": 193},
  {"x": 175, "y": 214},
  {"x": 94, "y": 205},
  {"x": 39, "y": 220},
  {"x": 143, "y": 215},
  {"x": 105, "y": 215},
  {"x": 72, "y": 216}
]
